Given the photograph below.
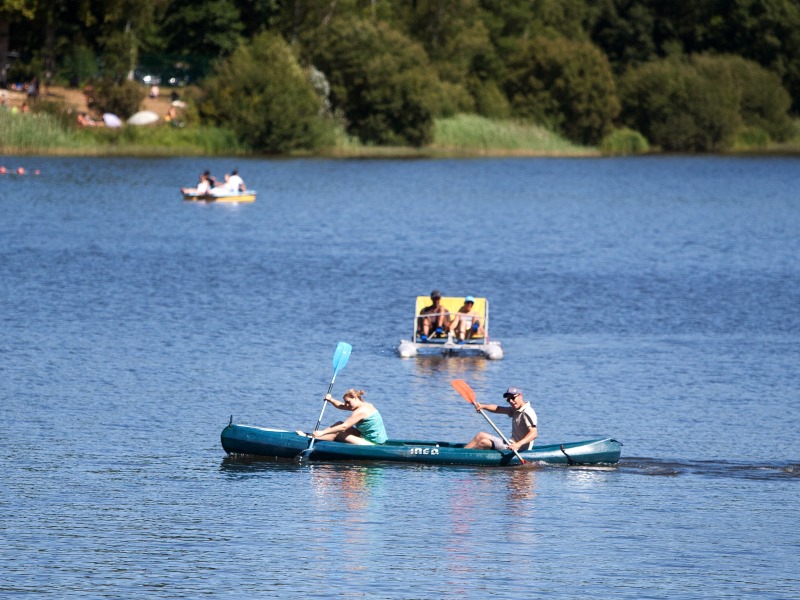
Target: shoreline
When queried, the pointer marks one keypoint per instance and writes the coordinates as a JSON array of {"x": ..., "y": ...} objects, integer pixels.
[
  {"x": 388, "y": 153},
  {"x": 530, "y": 142}
]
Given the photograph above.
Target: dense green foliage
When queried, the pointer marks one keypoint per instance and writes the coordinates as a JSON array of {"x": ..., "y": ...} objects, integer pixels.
[
  {"x": 702, "y": 103},
  {"x": 120, "y": 98},
  {"x": 263, "y": 94},
  {"x": 380, "y": 81},
  {"x": 639, "y": 31},
  {"x": 689, "y": 76},
  {"x": 567, "y": 85},
  {"x": 763, "y": 102},
  {"x": 624, "y": 141}
]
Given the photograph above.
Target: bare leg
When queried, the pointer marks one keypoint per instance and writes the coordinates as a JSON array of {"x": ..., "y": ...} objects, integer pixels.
[
  {"x": 352, "y": 436},
  {"x": 332, "y": 437},
  {"x": 358, "y": 440},
  {"x": 482, "y": 441}
]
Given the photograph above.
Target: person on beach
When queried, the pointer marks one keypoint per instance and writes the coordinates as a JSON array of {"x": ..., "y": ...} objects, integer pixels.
[
  {"x": 363, "y": 427},
  {"x": 85, "y": 120},
  {"x": 433, "y": 319},
  {"x": 523, "y": 427}
]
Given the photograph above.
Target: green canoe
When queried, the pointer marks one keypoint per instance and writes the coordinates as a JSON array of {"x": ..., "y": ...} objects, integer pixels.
[{"x": 262, "y": 441}]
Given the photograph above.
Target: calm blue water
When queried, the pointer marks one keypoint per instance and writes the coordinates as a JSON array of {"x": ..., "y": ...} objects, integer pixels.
[{"x": 655, "y": 300}]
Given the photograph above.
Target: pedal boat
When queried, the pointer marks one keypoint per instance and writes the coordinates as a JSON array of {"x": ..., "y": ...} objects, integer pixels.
[
  {"x": 219, "y": 197},
  {"x": 478, "y": 344}
]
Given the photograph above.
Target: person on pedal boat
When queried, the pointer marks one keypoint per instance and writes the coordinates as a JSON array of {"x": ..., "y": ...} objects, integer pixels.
[
  {"x": 364, "y": 426},
  {"x": 433, "y": 319},
  {"x": 467, "y": 321}
]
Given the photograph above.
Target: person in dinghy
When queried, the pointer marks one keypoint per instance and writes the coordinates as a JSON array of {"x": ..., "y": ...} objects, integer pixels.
[{"x": 364, "y": 426}]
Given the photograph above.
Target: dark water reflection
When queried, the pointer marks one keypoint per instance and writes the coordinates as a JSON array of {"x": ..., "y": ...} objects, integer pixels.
[{"x": 653, "y": 300}]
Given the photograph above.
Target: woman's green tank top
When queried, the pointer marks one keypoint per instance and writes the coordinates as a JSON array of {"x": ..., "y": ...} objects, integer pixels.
[{"x": 372, "y": 428}]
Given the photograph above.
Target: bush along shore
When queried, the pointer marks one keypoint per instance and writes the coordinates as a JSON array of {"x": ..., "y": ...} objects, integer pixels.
[
  {"x": 45, "y": 133},
  {"x": 48, "y": 132}
]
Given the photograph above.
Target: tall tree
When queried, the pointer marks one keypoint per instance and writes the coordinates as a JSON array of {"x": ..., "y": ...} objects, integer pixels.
[
  {"x": 510, "y": 23},
  {"x": 262, "y": 93},
  {"x": 624, "y": 29},
  {"x": 258, "y": 15},
  {"x": 124, "y": 24},
  {"x": 680, "y": 107},
  {"x": 766, "y": 31},
  {"x": 565, "y": 84},
  {"x": 202, "y": 28},
  {"x": 381, "y": 81},
  {"x": 9, "y": 10}
]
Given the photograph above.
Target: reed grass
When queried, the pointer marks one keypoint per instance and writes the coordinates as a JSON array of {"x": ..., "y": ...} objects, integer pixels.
[
  {"x": 162, "y": 139},
  {"x": 463, "y": 135},
  {"x": 478, "y": 135},
  {"x": 45, "y": 133},
  {"x": 32, "y": 133}
]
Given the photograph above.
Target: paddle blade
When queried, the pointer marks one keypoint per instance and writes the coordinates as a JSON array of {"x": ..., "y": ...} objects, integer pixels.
[
  {"x": 343, "y": 350},
  {"x": 462, "y": 387}
]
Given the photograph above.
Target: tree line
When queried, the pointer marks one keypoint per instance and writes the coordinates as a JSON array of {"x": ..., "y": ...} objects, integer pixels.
[{"x": 687, "y": 75}]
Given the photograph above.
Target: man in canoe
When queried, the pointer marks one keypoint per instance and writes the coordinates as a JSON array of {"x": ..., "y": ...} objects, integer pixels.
[
  {"x": 364, "y": 426},
  {"x": 523, "y": 426}
]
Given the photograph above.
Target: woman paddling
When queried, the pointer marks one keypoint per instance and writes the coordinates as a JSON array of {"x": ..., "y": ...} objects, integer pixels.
[{"x": 364, "y": 426}]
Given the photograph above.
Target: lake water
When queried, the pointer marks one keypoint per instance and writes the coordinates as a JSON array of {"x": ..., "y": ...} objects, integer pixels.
[{"x": 654, "y": 300}]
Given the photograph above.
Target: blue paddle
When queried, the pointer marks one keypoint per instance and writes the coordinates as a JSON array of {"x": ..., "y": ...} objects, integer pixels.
[{"x": 343, "y": 350}]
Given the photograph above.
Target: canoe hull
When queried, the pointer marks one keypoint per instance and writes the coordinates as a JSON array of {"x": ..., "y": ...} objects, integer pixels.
[{"x": 262, "y": 441}]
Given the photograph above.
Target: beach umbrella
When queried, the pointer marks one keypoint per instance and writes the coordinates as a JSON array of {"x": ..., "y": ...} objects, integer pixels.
[
  {"x": 143, "y": 117},
  {"x": 112, "y": 120}
]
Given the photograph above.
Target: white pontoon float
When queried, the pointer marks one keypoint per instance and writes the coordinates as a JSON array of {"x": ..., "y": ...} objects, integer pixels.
[{"x": 446, "y": 343}]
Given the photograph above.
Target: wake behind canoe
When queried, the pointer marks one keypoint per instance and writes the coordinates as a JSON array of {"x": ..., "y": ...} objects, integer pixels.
[{"x": 262, "y": 441}]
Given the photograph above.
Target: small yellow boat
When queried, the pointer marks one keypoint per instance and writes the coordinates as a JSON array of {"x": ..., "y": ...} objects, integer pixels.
[{"x": 217, "y": 197}]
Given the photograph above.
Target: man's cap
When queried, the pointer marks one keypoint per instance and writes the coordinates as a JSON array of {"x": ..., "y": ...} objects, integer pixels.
[
  {"x": 470, "y": 299},
  {"x": 511, "y": 392},
  {"x": 436, "y": 294}
]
